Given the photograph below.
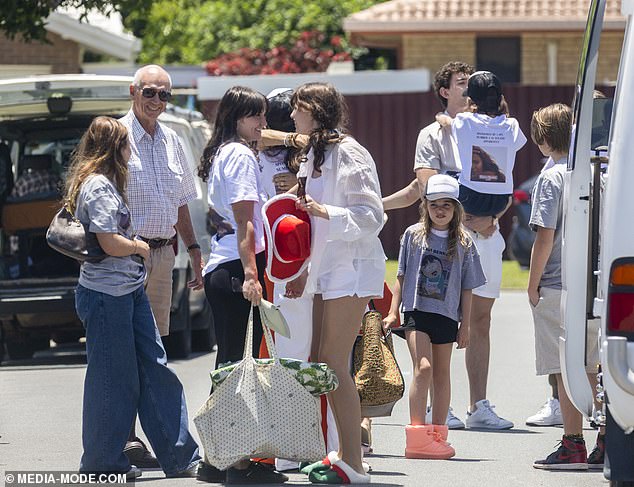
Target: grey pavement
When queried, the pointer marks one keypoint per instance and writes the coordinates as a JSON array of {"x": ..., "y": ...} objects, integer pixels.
[{"x": 40, "y": 417}]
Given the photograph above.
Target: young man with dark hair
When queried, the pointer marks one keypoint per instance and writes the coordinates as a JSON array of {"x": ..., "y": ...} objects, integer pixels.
[{"x": 434, "y": 153}]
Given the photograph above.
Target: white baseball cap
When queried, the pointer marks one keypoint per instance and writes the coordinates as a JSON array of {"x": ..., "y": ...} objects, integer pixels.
[{"x": 441, "y": 186}]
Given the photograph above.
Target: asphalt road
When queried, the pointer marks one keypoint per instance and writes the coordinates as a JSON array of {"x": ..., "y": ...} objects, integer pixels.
[{"x": 40, "y": 417}]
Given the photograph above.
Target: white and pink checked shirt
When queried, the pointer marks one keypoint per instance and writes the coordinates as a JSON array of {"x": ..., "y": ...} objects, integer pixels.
[{"x": 160, "y": 179}]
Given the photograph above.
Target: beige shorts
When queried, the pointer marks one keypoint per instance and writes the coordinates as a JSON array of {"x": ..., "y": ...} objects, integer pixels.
[
  {"x": 548, "y": 329},
  {"x": 158, "y": 285},
  {"x": 490, "y": 250}
]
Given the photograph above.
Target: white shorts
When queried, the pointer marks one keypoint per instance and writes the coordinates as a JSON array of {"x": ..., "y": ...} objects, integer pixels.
[
  {"x": 363, "y": 278},
  {"x": 490, "y": 250}
]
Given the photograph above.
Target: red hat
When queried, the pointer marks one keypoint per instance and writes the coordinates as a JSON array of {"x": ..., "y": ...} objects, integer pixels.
[{"x": 287, "y": 231}]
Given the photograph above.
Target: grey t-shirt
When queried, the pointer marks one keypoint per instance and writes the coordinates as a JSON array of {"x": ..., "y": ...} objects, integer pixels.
[
  {"x": 432, "y": 282},
  {"x": 546, "y": 212},
  {"x": 100, "y": 206},
  {"x": 434, "y": 149}
]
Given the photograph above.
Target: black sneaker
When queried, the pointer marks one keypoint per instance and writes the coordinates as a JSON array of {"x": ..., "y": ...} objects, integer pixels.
[
  {"x": 571, "y": 455},
  {"x": 188, "y": 472},
  {"x": 597, "y": 455},
  {"x": 139, "y": 455},
  {"x": 211, "y": 474},
  {"x": 255, "y": 473}
]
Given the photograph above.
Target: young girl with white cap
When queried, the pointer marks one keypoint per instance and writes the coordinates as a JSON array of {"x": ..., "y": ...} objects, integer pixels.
[{"x": 438, "y": 266}]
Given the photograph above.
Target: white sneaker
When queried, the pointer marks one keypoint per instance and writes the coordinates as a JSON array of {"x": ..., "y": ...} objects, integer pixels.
[
  {"x": 548, "y": 415},
  {"x": 485, "y": 418},
  {"x": 281, "y": 464},
  {"x": 453, "y": 422}
]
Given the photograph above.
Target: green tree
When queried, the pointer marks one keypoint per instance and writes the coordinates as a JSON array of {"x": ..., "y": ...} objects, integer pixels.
[
  {"x": 27, "y": 18},
  {"x": 192, "y": 31}
]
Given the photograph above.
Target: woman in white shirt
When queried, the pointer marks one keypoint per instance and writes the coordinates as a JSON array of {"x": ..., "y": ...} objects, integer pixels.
[
  {"x": 339, "y": 188},
  {"x": 231, "y": 167}
]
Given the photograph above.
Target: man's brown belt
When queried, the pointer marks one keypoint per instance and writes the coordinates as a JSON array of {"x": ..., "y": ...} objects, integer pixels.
[{"x": 157, "y": 243}]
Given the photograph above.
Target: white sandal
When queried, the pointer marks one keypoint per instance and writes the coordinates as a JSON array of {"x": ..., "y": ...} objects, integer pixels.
[{"x": 333, "y": 457}]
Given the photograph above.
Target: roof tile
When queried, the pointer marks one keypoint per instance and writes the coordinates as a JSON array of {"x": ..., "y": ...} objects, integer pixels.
[{"x": 498, "y": 10}]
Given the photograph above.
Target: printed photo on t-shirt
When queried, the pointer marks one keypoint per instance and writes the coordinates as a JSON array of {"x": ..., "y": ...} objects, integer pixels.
[
  {"x": 272, "y": 166},
  {"x": 434, "y": 275},
  {"x": 484, "y": 165}
]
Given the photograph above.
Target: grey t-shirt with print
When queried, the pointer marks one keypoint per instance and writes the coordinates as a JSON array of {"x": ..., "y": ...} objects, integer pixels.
[
  {"x": 100, "y": 206},
  {"x": 546, "y": 212},
  {"x": 432, "y": 282}
]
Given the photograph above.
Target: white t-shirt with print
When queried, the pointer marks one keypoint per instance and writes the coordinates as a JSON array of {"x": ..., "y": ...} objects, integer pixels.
[
  {"x": 272, "y": 162},
  {"x": 486, "y": 148},
  {"x": 235, "y": 175}
]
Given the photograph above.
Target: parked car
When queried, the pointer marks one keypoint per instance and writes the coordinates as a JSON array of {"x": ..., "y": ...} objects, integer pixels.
[
  {"x": 41, "y": 121},
  {"x": 521, "y": 238}
]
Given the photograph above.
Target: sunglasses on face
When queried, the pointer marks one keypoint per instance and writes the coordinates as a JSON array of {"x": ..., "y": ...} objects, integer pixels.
[{"x": 151, "y": 92}]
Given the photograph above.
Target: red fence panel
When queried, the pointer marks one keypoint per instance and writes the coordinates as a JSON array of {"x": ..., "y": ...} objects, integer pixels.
[{"x": 388, "y": 125}]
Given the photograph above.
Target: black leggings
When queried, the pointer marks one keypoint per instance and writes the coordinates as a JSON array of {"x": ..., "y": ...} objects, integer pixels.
[{"x": 231, "y": 311}]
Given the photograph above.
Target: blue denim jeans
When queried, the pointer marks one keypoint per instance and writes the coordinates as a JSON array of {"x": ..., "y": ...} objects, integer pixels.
[{"x": 127, "y": 371}]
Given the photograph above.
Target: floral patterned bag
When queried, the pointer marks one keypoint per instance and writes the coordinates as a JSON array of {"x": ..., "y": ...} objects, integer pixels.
[{"x": 316, "y": 377}]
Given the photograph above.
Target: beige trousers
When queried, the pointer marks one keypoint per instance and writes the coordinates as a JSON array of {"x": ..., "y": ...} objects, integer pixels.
[{"x": 158, "y": 285}]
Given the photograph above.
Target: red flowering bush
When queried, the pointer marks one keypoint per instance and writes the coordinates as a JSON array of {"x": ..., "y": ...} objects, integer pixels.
[{"x": 309, "y": 54}]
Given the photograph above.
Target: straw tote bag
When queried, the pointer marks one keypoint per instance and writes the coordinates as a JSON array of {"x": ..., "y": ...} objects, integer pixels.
[
  {"x": 260, "y": 410},
  {"x": 376, "y": 373}
]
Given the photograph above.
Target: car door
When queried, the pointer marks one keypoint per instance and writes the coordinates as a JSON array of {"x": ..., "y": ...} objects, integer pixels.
[{"x": 577, "y": 272}]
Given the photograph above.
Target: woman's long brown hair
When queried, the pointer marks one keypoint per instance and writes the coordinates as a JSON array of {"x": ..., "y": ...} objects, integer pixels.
[
  {"x": 328, "y": 108},
  {"x": 100, "y": 151}
]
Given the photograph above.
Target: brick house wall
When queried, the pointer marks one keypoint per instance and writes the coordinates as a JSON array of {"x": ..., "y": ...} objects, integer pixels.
[
  {"x": 435, "y": 49},
  {"x": 64, "y": 56},
  {"x": 534, "y": 46}
]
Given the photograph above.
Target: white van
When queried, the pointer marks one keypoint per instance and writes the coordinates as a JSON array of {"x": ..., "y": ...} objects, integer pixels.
[
  {"x": 41, "y": 121},
  {"x": 598, "y": 247}
]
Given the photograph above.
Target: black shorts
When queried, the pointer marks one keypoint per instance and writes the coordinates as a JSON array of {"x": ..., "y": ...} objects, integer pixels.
[
  {"x": 439, "y": 328},
  {"x": 482, "y": 204}
]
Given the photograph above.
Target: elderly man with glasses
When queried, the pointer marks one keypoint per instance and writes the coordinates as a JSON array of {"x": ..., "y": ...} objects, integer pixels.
[{"x": 160, "y": 184}]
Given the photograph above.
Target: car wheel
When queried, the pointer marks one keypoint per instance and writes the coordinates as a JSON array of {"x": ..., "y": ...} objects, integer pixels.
[
  {"x": 619, "y": 452},
  {"x": 204, "y": 332},
  {"x": 178, "y": 344},
  {"x": 24, "y": 347}
]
